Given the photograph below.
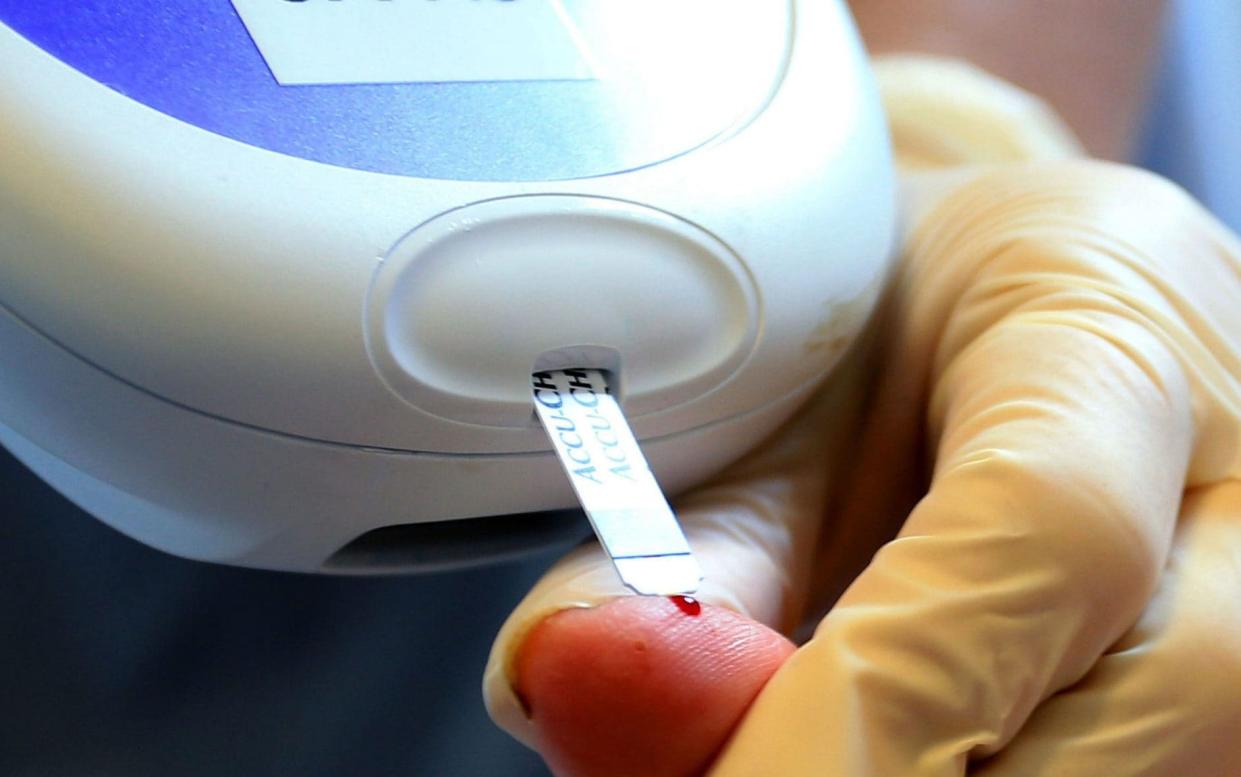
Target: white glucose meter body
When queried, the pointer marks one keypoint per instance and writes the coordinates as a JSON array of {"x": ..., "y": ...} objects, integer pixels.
[{"x": 274, "y": 274}]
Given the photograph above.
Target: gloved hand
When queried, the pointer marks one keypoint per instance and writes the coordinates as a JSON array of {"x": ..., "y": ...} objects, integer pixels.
[{"x": 1062, "y": 349}]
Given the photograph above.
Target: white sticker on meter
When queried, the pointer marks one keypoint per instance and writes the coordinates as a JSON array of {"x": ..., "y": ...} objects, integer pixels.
[
  {"x": 625, "y": 505},
  {"x": 405, "y": 41}
]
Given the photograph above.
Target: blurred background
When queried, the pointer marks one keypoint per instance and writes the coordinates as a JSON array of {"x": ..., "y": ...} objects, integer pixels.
[
  {"x": 118, "y": 660},
  {"x": 1193, "y": 129}
]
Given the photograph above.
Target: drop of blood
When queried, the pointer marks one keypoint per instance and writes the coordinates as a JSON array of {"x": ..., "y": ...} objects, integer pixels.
[{"x": 686, "y": 604}]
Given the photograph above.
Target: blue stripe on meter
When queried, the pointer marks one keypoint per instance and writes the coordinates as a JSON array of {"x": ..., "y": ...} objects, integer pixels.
[{"x": 196, "y": 60}]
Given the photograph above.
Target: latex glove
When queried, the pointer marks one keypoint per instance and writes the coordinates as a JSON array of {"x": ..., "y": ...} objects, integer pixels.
[{"x": 1064, "y": 344}]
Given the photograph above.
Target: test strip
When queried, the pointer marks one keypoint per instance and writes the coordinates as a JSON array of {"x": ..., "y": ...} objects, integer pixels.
[{"x": 625, "y": 505}]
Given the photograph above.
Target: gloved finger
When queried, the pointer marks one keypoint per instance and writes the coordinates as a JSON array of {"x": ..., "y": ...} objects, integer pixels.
[
  {"x": 1063, "y": 416},
  {"x": 1163, "y": 701},
  {"x": 753, "y": 530},
  {"x": 946, "y": 113},
  {"x": 948, "y": 120}
]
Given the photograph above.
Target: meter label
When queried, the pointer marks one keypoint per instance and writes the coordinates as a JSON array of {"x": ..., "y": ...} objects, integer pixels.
[{"x": 415, "y": 41}]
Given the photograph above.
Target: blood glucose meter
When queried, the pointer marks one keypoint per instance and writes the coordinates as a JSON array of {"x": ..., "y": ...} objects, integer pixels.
[{"x": 275, "y": 274}]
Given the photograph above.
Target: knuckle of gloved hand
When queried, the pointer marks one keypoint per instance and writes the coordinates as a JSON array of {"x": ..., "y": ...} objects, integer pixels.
[
  {"x": 1112, "y": 239},
  {"x": 1210, "y": 693},
  {"x": 1101, "y": 221},
  {"x": 1195, "y": 666},
  {"x": 1098, "y": 195},
  {"x": 1043, "y": 209},
  {"x": 1195, "y": 622},
  {"x": 1074, "y": 543},
  {"x": 1142, "y": 192}
]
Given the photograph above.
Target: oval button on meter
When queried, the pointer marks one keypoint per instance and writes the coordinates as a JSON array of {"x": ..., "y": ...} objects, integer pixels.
[{"x": 468, "y": 304}]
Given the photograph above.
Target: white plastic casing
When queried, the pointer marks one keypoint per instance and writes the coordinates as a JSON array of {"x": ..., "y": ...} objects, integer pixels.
[{"x": 240, "y": 356}]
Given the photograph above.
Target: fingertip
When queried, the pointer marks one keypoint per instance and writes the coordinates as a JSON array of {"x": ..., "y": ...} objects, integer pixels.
[{"x": 641, "y": 685}]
